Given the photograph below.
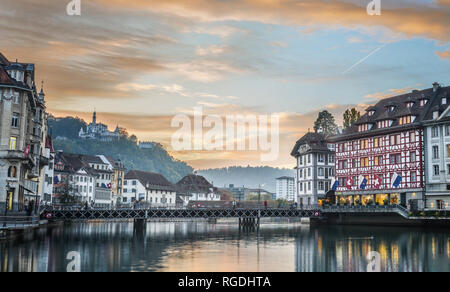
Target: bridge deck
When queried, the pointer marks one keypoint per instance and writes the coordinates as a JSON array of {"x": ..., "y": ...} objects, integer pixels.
[{"x": 181, "y": 213}]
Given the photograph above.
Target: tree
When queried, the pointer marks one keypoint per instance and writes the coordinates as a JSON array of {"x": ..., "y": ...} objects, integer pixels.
[
  {"x": 325, "y": 124},
  {"x": 350, "y": 117}
]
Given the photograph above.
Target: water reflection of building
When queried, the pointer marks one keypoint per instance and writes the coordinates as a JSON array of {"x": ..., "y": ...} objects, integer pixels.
[{"x": 345, "y": 250}]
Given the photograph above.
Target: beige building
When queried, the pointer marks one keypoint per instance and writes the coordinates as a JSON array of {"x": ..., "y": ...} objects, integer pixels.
[{"x": 22, "y": 135}]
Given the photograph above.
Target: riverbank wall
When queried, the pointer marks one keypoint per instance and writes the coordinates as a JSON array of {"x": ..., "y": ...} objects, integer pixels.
[{"x": 377, "y": 219}]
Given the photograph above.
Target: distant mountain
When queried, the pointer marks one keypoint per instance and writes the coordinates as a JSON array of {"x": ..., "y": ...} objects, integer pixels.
[
  {"x": 250, "y": 177},
  {"x": 64, "y": 132}
]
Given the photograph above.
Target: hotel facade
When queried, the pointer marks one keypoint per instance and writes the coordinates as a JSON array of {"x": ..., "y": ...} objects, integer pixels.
[{"x": 381, "y": 158}]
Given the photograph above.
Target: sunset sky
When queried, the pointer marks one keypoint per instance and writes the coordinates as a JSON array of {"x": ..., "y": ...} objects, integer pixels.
[{"x": 140, "y": 62}]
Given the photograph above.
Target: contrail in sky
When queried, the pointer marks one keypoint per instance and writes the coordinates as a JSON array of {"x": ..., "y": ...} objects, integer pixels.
[{"x": 363, "y": 59}]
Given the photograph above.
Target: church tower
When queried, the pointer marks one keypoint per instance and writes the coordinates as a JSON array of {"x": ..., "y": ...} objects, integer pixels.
[{"x": 94, "y": 118}]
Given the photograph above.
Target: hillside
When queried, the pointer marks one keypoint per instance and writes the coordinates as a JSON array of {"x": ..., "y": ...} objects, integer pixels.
[
  {"x": 250, "y": 177},
  {"x": 64, "y": 132}
]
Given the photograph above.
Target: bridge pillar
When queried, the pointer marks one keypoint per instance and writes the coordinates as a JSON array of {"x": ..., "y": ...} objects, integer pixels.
[{"x": 140, "y": 225}]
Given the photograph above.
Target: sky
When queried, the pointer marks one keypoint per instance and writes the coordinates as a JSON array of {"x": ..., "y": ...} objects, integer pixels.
[{"x": 139, "y": 63}]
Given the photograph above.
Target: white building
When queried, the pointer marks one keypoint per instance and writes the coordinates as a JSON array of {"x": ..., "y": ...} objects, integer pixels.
[
  {"x": 285, "y": 188},
  {"x": 151, "y": 189},
  {"x": 437, "y": 150},
  {"x": 87, "y": 178},
  {"x": 46, "y": 187},
  {"x": 315, "y": 168},
  {"x": 99, "y": 131}
]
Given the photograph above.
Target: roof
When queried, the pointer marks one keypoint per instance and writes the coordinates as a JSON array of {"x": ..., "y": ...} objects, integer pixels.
[
  {"x": 401, "y": 109},
  {"x": 73, "y": 163},
  {"x": 316, "y": 141},
  {"x": 151, "y": 180},
  {"x": 195, "y": 184}
]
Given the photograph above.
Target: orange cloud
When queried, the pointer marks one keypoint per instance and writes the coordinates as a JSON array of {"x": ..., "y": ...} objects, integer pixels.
[{"x": 443, "y": 54}]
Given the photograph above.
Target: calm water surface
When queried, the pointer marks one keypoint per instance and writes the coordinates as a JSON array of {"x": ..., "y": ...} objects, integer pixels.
[{"x": 204, "y": 247}]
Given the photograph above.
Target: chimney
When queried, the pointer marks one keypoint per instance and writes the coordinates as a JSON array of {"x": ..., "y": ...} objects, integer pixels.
[{"x": 435, "y": 86}]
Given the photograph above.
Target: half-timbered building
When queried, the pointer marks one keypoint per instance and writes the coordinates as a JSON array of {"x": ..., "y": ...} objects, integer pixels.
[{"x": 380, "y": 159}]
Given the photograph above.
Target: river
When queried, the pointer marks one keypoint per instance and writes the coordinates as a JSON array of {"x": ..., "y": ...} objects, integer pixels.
[{"x": 206, "y": 247}]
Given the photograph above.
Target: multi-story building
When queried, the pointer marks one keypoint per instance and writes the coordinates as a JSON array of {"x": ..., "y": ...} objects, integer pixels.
[
  {"x": 85, "y": 178},
  {"x": 151, "y": 189},
  {"x": 315, "y": 168},
  {"x": 22, "y": 116},
  {"x": 118, "y": 178},
  {"x": 437, "y": 151},
  {"x": 103, "y": 185},
  {"x": 380, "y": 159},
  {"x": 285, "y": 188},
  {"x": 46, "y": 186},
  {"x": 196, "y": 188},
  {"x": 99, "y": 131}
]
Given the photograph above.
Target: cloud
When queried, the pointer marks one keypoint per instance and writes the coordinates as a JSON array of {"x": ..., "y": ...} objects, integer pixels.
[
  {"x": 279, "y": 44},
  {"x": 212, "y": 50},
  {"x": 204, "y": 70},
  {"x": 443, "y": 54},
  {"x": 374, "y": 97},
  {"x": 413, "y": 20}
]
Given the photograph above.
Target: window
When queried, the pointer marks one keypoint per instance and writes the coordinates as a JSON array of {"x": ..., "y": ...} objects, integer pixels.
[
  {"x": 435, "y": 115},
  {"x": 435, "y": 152},
  {"x": 15, "y": 120},
  {"x": 412, "y": 137},
  {"x": 321, "y": 172},
  {"x": 342, "y": 164},
  {"x": 405, "y": 120},
  {"x": 321, "y": 186},
  {"x": 364, "y": 161},
  {"x": 413, "y": 177},
  {"x": 12, "y": 143},
  {"x": 309, "y": 186},
  {"x": 448, "y": 169},
  {"x": 444, "y": 100},
  {"x": 436, "y": 169},
  {"x": 309, "y": 158},
  {"x": 354, "y": 163},
  {"x": 423, "y": 102},
  {"x": 410, "y": 104},
  {"x": 12, "y": 171},
  {"x": 434, "y": 132},
  {"x": 447, "y": 130},
  {"x": 321, "y": 158},
  {"x": 377, "y": 142},
  {"x": 378, "y": 160},
  {"x": 364, "y": 144},
  {"x": 331, "y": 158},
  {"x": 300, "y": 160},
  {"x": 300, "y": 173},
  {"x": 309, "y": 172},
  {"x": 412, "y": 156},
  {"x": 448, "y": 150}
]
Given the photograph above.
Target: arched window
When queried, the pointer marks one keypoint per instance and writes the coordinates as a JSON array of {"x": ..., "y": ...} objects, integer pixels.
[{"x": 12, "y": 171}]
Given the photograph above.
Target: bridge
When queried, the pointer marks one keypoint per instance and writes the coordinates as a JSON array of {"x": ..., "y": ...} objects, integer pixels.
[{"x": 143, "y": 214}]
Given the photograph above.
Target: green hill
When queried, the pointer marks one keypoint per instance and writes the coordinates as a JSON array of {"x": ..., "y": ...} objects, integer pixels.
[{"x": 64, "y": 132}]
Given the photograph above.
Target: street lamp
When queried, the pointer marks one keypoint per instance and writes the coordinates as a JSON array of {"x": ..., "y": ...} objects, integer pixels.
[{"x": 8, "y": 189}]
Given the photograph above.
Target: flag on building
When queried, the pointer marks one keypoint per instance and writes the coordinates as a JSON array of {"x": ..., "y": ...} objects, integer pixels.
[
  {"x": 26, "y": 151},
  {"x": 350, "y": 183},
  {"x": 362, "y": 182},
  {"x": 396, "y": 180},
  {"x": 56, "y": 179},
  {"x": 377, "y": 182},
  {"x": 334, "y": 184}
]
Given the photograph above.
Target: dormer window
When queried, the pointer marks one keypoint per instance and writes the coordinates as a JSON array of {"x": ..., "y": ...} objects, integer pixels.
[
  {"x": 371, "y": 113},
  {"x": 364, "y": 127},
  {"x": 423, "y": 102},
  {"x": 406, "y": 120},
  {"x": 435, "y": 115},
  {"x": 444, "y": 100},
  {"x": 392, "y": 108},
  {"x": 410, "y": 104},
  {"x": 384, "y": 124}
]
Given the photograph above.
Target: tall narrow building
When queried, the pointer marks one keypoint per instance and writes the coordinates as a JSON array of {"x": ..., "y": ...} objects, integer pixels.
[
  {"x": 315, "y": 168},
  {"x": 22, "y": 135}
]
